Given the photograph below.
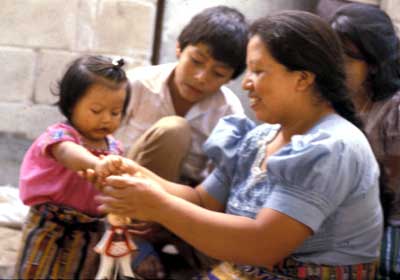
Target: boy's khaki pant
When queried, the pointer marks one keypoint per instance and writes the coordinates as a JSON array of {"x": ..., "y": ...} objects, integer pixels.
[{"x": 163, "y": 147}]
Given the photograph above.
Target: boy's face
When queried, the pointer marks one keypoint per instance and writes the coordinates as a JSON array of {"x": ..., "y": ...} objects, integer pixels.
[{"x": 198, "y": 74}]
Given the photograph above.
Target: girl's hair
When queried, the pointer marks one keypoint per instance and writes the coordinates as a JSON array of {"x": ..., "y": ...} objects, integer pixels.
[
  {"x": 84, "y": 72},
  {"x": 371, "y": 31},
  {"x": 302, "y": 41}
]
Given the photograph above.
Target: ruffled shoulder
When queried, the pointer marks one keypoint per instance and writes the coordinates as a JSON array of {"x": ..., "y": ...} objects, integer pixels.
[
  {"x": 326, "y": 164},
  {"x": 306, "y": 156},
  {"x": 223, "y": 144}
]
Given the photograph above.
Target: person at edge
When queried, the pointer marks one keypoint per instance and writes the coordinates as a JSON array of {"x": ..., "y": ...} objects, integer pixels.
[{"x": 372, "y": 58}]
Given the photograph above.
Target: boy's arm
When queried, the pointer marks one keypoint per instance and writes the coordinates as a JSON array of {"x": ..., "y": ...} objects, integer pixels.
[{"x": 73, "y": 156}]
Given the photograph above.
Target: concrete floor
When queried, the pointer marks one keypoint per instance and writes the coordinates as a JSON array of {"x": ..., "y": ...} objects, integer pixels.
[
  {"x": 12, "y": 150},
  {"x": 10, "y": 239}
]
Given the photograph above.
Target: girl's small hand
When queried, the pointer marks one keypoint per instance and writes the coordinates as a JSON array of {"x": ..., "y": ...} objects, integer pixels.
[
  {"x": 109, "y": 165},
  {"x": 115, "y": 165},
  {"x": 131, "y": 196}
]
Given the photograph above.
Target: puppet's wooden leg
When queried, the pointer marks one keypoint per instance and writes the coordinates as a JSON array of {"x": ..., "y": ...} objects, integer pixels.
[
  {"x": 125, "y": 266},
  {"x": 105, "y": 268}
]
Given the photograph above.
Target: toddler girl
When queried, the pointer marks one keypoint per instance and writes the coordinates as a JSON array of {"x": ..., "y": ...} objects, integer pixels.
[{"x": 63, "y": 224}]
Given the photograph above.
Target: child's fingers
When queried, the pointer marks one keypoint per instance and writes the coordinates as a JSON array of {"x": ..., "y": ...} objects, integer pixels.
[
  {"x": 110, "y": 165},
  {"x": 90, "y": 175},
  {"x": 117, "y": 162}
]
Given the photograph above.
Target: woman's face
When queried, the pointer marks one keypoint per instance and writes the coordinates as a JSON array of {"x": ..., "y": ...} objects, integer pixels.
[
  {"x": 356, "y": 71},
  {"x": 270, "y": 84}
]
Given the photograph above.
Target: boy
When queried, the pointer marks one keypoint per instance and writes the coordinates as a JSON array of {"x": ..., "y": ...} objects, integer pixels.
[{"x": 174, "y": 107}]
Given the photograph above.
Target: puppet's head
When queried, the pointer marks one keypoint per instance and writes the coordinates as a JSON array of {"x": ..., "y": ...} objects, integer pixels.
[{"x": 117, "y": 220}]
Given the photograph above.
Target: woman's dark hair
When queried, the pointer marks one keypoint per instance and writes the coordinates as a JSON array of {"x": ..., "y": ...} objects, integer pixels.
[
  {"x": 302, "y": 41},
  {"x": 84, "y": 72},
  {"x": 224, "y": 30},
  {"x": 371, "y": 31}
]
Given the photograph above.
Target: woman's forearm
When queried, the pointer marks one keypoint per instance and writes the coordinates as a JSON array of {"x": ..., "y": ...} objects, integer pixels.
[
  {"x": 229, "y": 237},
  {"x": 262, "y": 241}
]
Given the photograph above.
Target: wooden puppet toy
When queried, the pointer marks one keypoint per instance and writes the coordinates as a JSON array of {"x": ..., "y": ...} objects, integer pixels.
[{"x": 115, "y": 249}]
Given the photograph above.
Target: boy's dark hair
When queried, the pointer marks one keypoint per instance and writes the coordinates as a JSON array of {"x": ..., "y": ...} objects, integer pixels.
[
  {"x": 84, "y": 72},
  {"x": 224, "y": 30},
  {"x": 302, "y": 41},
  {"x": 372, "y": 32}
]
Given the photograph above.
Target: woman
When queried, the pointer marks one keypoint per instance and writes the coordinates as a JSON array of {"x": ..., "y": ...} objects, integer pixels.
[
  {"x": 372, "y": 51},
  {"x": 295, "y": 199},
  {"x": 327, "y": 8}
]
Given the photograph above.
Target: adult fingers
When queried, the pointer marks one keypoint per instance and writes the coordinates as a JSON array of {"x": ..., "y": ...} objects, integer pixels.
[
  {"x": 107, "y": 208},
  {"x": 124, "y": 181},
  {"x": 116, "y": 193},
  {"x": 112, "y": 205}
]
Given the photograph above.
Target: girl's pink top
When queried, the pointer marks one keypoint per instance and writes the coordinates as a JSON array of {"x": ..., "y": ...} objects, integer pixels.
[{"x": 43, "y": 179}]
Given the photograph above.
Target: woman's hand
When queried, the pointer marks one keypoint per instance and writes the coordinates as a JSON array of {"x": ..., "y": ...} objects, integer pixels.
[{"x": 132, "y": 196}]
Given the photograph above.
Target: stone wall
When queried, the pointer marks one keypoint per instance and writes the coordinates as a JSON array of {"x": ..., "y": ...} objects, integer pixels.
[{"x": 38, "y": 39}]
